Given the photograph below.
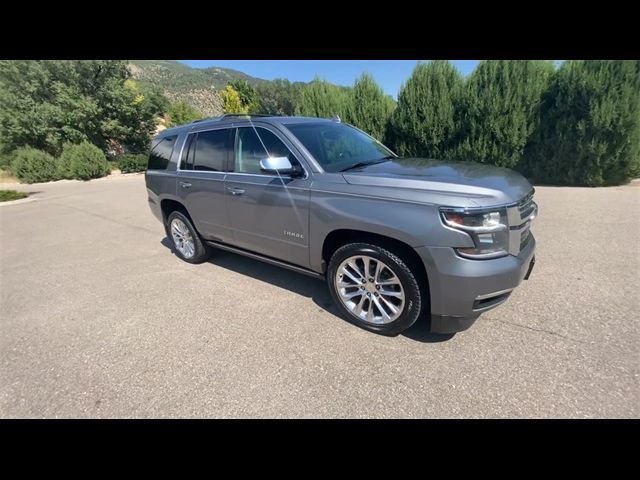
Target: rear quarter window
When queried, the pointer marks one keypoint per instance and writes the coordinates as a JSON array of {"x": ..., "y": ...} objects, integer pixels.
[{"x": 161, "y": 150}]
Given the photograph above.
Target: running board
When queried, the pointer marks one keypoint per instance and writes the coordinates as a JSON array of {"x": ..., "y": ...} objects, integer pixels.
[{"x": 262, "y": 258}]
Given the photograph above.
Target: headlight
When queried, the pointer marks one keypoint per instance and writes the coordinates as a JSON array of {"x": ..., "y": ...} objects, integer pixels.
[{"x": 488, "y": 229}]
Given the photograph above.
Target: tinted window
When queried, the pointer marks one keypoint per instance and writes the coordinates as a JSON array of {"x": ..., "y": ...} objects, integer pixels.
[
  {"x": 188, "y": 152},
  {"x": 211, "y": 150},
  {"x": 336, "y": 146},
  {"x": 161, "y": 152},
  {"x": 253, "y": 145}
]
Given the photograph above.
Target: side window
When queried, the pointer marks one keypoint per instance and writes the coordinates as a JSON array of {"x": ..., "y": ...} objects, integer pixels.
[
  {"x": 211, "y": 150},
  {"x": 188, "y": 152},
  {"x": 160, "y": 154},
  {"x": 252, "y": 145}
]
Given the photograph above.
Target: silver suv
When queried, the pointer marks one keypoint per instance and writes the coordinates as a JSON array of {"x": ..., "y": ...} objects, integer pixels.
[{"x": 395, "y": 238}]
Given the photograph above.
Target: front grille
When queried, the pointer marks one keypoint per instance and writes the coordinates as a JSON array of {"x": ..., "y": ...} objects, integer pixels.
[
  {"x": 524, "y": 238},
  {"x": 526, "y": 207},
  {"x": 520, "y": 216}
]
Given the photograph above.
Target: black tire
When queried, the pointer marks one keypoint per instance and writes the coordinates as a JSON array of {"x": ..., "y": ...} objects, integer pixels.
[
  {"x": 201, "y": 249},
  {"x": 414, "y": 301}
]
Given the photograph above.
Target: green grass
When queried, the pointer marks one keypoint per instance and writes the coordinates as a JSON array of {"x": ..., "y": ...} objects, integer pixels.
[{"x": 6, "y": 195}]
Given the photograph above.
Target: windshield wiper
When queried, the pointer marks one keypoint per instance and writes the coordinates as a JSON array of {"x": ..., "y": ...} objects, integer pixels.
[{"x": 364, "y": 164}]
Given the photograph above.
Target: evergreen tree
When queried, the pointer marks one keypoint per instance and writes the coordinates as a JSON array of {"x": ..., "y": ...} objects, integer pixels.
[
  {"x": 369, "y": 108},
  {"x": 590, "y": 125},
  {"x": 424, "y": 122},
  {"x": 323, "y": 100},
  {"x": 278, "y": 97},
  {"x": 500, "y": 110}
]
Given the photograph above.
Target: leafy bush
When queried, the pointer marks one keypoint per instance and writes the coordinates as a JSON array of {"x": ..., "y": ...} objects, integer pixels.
[
  {"x": 425, "y": 122},
  {"x": 181, "y": 112},
  {"x": 369, "y": 108},
  {"x": 589, "y": 131},
  {"x": 132, "y": 163},
  {"x": 500, "y": 110},
  {"x": 45, "y": 103},
  {"x": 30, "y": 165},
  {"x": 6, "y": 195},
  {"x": 324, "y": 100},
  {"x": 83, "y": 162}
]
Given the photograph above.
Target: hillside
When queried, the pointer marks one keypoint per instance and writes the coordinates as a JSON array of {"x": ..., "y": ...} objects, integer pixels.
[{"x": 196, "y": 86}]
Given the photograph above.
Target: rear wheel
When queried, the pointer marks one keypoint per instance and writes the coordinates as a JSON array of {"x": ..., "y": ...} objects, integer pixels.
[
  {"x": 374, "y": 288},
  {"x": 186, "y": 241}
]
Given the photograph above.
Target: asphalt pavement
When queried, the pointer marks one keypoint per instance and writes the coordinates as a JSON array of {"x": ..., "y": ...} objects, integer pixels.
[{"x": 99, "y": 319}]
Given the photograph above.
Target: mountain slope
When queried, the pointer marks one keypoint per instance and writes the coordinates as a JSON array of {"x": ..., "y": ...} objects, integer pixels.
[{"x": 197, "y": 86}]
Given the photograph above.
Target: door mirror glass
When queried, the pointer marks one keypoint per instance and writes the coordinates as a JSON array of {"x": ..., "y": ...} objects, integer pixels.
[{"x": 276, "y": 165}]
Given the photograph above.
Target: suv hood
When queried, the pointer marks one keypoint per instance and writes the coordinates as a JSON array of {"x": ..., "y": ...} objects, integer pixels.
[{"x": 446, "y": 183}]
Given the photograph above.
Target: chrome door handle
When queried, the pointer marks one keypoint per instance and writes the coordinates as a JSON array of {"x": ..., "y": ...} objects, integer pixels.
[
  {"x": 185, "y": 184},
  {"x": 236, "y": 191}
]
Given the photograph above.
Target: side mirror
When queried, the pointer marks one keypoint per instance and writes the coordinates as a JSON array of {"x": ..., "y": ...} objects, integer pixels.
[{"x": 278, "y": 165}]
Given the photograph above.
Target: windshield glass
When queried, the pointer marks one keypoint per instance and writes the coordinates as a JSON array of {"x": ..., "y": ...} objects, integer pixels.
[{"x": 337, "y": 146}]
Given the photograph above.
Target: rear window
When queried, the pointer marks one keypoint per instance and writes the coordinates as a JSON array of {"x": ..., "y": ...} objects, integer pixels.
[
  {"x": 161, "y": 150},
  {"x": 212, "y": 150}
]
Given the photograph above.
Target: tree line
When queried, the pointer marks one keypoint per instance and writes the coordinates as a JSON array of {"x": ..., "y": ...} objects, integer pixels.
[{"x": 576, "y": 124}]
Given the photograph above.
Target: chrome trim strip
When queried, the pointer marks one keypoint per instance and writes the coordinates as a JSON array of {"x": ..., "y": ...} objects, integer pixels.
[
  {"x": 494, "y": 294},
  {"x": 235, "y": 127},
  {"x": 483, "y": 256}
]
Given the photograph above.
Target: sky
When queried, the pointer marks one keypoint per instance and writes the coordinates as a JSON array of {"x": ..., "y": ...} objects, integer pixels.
[{"x": 390, "y": 74}]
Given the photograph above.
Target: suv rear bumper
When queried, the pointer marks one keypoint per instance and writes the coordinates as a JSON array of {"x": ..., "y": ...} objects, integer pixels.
[{"x": 461, "y": 289}]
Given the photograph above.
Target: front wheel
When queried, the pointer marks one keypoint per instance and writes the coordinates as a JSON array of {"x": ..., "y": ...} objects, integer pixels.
[{"x": 374, "y": 288}]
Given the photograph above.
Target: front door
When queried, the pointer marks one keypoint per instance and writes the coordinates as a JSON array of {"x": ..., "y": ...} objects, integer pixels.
[
  {"x": 201, "y": 178},
  {"x": 269, "y": 214}
]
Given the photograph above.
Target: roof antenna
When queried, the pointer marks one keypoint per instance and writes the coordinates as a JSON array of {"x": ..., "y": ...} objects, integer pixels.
[{"x": 336, "y": 118}]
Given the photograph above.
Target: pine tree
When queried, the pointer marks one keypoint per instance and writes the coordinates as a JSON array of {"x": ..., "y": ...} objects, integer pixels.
[
  {"x": 424, "y": 122},
  {"x": 500, "y": 109},
  {"x": 369, "y": 108},
  {"x": 590, "y": 125},
  {"x": 323, "y": 100}
]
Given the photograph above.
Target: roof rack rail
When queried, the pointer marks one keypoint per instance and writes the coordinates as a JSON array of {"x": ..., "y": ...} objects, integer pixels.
[
  {"x": 227, "y": 115},
  {"x": 232, "y": 115}
]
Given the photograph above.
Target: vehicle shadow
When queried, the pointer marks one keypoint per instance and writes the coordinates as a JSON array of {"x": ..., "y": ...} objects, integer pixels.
[{"x": 300, "y": 284}]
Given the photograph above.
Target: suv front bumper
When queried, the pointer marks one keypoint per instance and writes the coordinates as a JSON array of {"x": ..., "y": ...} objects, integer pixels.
[{"x": 461, "y": 289}]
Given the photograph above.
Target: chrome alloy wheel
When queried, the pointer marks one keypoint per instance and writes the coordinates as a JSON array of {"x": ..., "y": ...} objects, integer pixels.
[
  {"x": 369, "y": 289},
  {"x": 182, "y": 238}
]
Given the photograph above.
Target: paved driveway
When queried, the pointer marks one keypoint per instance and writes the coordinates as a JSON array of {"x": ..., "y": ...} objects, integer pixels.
[{"x": 100, "y": 319}]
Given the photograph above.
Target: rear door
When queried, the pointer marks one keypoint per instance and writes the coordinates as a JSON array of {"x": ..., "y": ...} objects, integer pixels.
[
  {"x": 201, "y": 176},
  {"x": 269, "y": 213}
]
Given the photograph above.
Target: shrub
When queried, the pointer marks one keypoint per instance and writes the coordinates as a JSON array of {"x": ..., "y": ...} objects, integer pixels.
[
  {"x": 589, "y": 132},
  {"x": 5, "y": 161},
  {"x": 323, "y": 100},
  {"x": 424, "y": 124},
  {"x": 369, "y": 108},
  {"x": 500, "y": 110},
  {"x": 180, "y": 113},
  {"x": 30, "y": 165},
  {"x": 6, "y": 195},
  {"x": 83, "y": 162},
  {"x": 132, "y": 163}
]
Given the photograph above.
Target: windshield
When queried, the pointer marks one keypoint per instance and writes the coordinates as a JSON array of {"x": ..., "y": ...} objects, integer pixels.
[{"x": 337, "y": 146}]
